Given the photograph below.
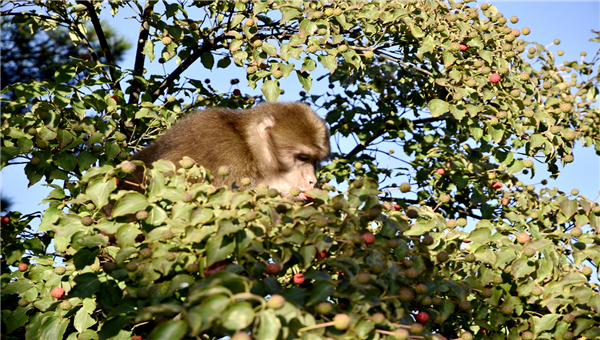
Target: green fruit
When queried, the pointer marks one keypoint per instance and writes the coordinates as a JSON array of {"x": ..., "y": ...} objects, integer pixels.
[
  {"x": 568, "y": 335},
  {"x": 417, "y": 328},
  {"x": 170, "y": 256},
  {"x": 109, "y": 267},
  {"x": 378, "y": 318},
  {"x": 192, "y": 268},
  {"x": 287, "y": 232},
  {"x": 537, "y": 291},
  {"x": 421, "y": 288},
  {"x": 60, "y": 270},
  {"x": 405, "y": 187},
  {"x": 272, "y": 193},
  {"x": 529, "y": 252},
  {"x": 451, "y": 224},
  {"x": 65, "y": 305},
  {"x": 464, "y": 305},
  {"x": 411, "y": 273},
  {"x": 363, "y": 278},
  {"x": 405, "y": 294},
  {"x": 131, "y": 267},
  {"x": 587, "y": 271},
  {"x": 568, "y": 318},
  {"x": 507, "y": 310},
  {"x": 276, "y": 301},
  {"x": 461, "y": 222},
  {"x": 341, "y": 322},
  {"x": 576, "y": 232},
  {"x": 436, "y": 301},
  {"x": 187, "y": 162},
  {"x": 470, "y": 258},
  {"x": 141, "y": 215},
  {"x": 527, "y": 335},
  {"x": 442, "y": 256},
  {"x": 324, "y": 308},
  {"x": 412, "y": 212},
  {"x": 497, "y": 279},
  {"x": 87, "y": 220},
  {"x": 35, "y": 160},
  {"x": 167, "y": 235},
  {"x": 427, "y": 240},
  {"x": 426, "y": 301},
  {"x": 401, "y": 334},
  {"x": 574, "y": 192},
  {"x": 487, "y": 292},
  {"x": 224, "y": 171}
]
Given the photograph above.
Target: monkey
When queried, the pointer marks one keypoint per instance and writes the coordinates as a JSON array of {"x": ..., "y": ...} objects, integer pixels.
[{"x": 279, "y": 144}]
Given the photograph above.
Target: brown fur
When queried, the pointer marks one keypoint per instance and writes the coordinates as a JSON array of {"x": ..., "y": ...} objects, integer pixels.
[{"x": 268, "y": 144}]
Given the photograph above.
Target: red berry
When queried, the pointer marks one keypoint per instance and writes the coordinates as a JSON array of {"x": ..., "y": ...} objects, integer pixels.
[
  {"x": 299, "y": 278},
  {"x": 495, "y": 78},
  {"x": 396, "y": 207},
  {"x": 4, "y": 220},
  {"x": 523, "y": 238},
  {"x": 137, "y": 337},
  {"x": 321, "y": 254},
  {"x": 115, "y": 98},
  {"x": 23, "y": 267},
  {"x": 441, "y": 171},
  {"x": 369, "y": 238},
  {"x": 237, "y": 92},
  {"x": 463, "y": 47},
  {"x": 273, "y": 268},
  {"x": 57, "y": 292},
  {"x": 422, "y": 317},
  {"x": 86, "y": 56},
  {"x": 466, "y": 241},
  {"x": 497, "y": 185}
]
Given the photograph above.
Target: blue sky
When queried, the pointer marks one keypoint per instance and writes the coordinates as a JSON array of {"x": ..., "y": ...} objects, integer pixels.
[{"x": 569, "y": 21}]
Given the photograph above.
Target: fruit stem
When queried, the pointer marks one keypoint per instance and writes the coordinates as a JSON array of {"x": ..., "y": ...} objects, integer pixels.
[
  {"x": 400, "y": 326},
  {"x": 308, "y": 328}
]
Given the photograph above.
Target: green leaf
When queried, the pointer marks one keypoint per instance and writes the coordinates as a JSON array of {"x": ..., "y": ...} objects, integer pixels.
[
  {"x": 65, "y": 73},
  {"x": 321, "y": 291},
  {"x": 149, "y": 49},
  {"x": 53, "y": 328},
  {"x": 269, "y": 49},
  {"x": 289, "y": 13},
  {"x": 130, "y": 203},
  {"x": 329, "y": 62},
  {"x": 17, "y": 318},
  {"x": 449, "y": 59},
  {"x": 208, "y": 60},
  {"x": 224, "y": 62},
  {"x": 171, "y": 330},
  {"x": 126, "y": 235},
  {"x": 438, "y": 107},
  {"x": 305, "y": 79},
  {"x": 99, "y": 190},
  {"x": 238, "y": 316},
  {"x": 269, "y": 325},
  {"x": 218, "y": 249},
  {"x": 270, "y": 90},
  {"x": 487, "y": 56},
  {"x": 522, "y": 267},
  {"x": 85, "y": 285},
  {"x": 85, "y": 257},
  {"x": 568, "y": 207},
  {"x": 83, "y": 320},
  {"x": 546, "y": 322}
]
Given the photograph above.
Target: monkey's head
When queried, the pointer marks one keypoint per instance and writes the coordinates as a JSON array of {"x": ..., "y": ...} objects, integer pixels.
[{"x": 296, "y": 141}]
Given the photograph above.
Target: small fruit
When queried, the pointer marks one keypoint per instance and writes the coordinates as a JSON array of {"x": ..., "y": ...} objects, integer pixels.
[
  {"x": 417, "y": 328},
  {"x": 568, "y": 318},
  {"x": 412, "y": 212},
  {"x": 487, "y": 292},
  {"x": 461, "y": 222},
  {"x": 109, "y": 267},
  {"x": 23, "y": 267},
  {"x": 568, "y": 335},
  {"x": 237, "y": 92},
  {"x": 276, "y": 301},
  {"x": 464, "y": 305},
  {"x": 378, "y": 318},
  {"x": 422, "y": 317},
  {"x": 529, "y": 252},
  {"x": 440, "y": 171},
  {"x": 341, "y": 322},
  {"x": 507, "y": 310},
  {"x": 273, "y": 268},
  {"x": 141, "y": 215},
  {"x": 166, "y": 40},
  {"x": 405, "y": 294},
  {"x": 525, "y": 31},
  {"x": 369, "y": 54},
  {"x": 57, "y": 293},
  {"x": 369, "y": 238},
  {"x": 576, "y": 232},
  {"x": 427, "y": 240},
  {"x": 363, "y": 278},
  {"x": 87, "y": 220},
  {"x": 527, "y": 335},
  {"x": 587, "y": 271},
  {"x": 299, "y": 278},
  {"x": 86, "y": 56},
  {"x": 249, "y": 22},
  {"x": 421, "y": 288},
  {"x": 463, "y": 47},
  {"x": 4, "y": 220},
  {"x": 443, "y": 256},
  {"x": 224, "y": 171},
  {"x": 66, "y": 305},
  {"x": 497, "y": 185},
  {"x": 401, "y": 334},
  {"x": 60, "y": 270},
  {"x": 470, "y": 258},
  {"x": 321, "y": 254},
  {"x": 131, "y": 267},
  {"x": 537, "y": 291},
  {"x": 494, "y": 78},
  {"x": 324, "y": 308},
  {"x": 405, "y": 187},
  {"x": 497, "y": 279},
  {"x": 411, "y": 273},
  {"x": 237, "y": 336},
  {"x": 466, "y": 336},
  {"x": 128, "y": 167},
  {"x": 523, "y": 238}
]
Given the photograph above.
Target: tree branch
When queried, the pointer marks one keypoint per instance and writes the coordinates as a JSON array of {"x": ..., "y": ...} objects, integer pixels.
[
  {"x": 138, "y": 67},
  {"x": 102, "y": 40}
]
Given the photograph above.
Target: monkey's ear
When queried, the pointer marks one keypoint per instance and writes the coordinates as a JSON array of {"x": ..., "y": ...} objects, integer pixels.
[{"x": 263, "y": 127}]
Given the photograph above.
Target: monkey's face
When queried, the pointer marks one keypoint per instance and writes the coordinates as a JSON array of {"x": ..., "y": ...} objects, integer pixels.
[{"x": 297, "y": 171}]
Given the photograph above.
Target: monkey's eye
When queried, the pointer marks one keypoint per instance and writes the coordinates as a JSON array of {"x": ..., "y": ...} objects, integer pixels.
[{"x": 304, "y": 159}]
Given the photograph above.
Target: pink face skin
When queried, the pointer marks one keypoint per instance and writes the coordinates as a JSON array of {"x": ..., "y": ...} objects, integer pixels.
[{"x": 300, "y": 174}]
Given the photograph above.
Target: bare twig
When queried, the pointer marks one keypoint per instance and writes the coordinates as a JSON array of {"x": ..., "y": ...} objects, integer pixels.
[{"x": 139, "y": 56}]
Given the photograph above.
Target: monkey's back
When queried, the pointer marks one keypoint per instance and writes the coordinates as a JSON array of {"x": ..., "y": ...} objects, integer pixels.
[{"x": 213, "y": 138}]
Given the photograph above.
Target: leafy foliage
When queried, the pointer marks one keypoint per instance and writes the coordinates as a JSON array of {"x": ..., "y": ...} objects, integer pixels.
[{"x": 447, "y": 83}]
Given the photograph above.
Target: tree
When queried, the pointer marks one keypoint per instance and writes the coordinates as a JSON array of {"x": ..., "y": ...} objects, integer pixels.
[{"x": 447, "y": 82}]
